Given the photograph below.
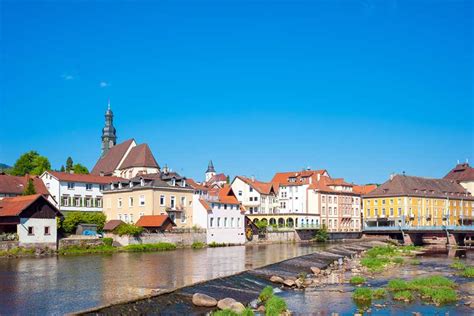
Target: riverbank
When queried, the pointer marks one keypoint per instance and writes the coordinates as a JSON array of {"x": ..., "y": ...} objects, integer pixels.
[{"x": 243, "y": 287}]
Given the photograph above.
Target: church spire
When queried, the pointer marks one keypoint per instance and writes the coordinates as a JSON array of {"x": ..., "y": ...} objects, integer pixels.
[
  {"x": 210, "y": 171},
  {"x": 109, "y": 137}
]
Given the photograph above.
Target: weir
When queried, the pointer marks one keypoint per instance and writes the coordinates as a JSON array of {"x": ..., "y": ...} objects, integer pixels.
[{"x": 244, "y": 287}]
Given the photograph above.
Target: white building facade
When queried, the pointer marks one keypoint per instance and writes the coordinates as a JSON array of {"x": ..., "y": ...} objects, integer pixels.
[
  {"x": 256, "y": 197},
  {"x": 76, "y": 192}
]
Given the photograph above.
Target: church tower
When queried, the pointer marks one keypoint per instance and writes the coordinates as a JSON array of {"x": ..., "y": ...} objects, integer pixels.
[
  {"x": 210, "y": 171},
  {"x": 109, "y": 138}
]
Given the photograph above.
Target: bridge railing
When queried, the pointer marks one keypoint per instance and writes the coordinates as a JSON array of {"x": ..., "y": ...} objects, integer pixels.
[{"x": 422, "y": 228}]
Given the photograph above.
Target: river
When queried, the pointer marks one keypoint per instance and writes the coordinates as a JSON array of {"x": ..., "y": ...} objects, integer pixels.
[{"x": 63, "y": 284}]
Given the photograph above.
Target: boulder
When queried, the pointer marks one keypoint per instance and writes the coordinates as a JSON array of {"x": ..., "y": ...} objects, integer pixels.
[
  {"x": 307, "y": 282},
  {"x": 289, "y": 282},
  {"x": 299, "y": 283},
  {"x": 261, "y": 309},
  {"x": 315, "y": 270},
  {"x": 231, "y": 304},
  {"x": 277, "y": 279},
  {"x": 204, "y": 300}
]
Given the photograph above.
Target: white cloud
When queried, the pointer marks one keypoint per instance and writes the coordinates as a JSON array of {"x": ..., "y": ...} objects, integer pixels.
[{"x": 104, "y": 84}]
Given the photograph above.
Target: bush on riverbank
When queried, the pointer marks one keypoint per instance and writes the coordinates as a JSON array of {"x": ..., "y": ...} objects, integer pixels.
[
  {"x": 198, "y": 245},
  {"x": 72, "y": 219},
  {"x": 217, "y": 244},
  {"x": 128, "y": 229},
  {"x": 458, "y": 265},
  {"x": 266, "y": 294},
  {"x": 227, "y": 312},
  {"x": 321, "y": 235},
  {"x": 161, "y": 246}
]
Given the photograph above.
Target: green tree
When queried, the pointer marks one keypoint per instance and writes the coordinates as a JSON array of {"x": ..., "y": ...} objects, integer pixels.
[
  {"x": 228, "y": 180},
  {"x": 80, "y": 169},
  {"x": 69, "y": 164},
  {"x": 62, "y": 168},
  {"x": 30, "y": 188},
  {"x": 31, "y": 163}
]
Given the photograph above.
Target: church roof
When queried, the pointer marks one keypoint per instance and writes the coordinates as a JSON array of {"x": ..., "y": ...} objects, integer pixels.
[
  {"x": 210, "y": 167},
  {"x": 139, "y": 156},
  {"x": 112, "y": 158}
]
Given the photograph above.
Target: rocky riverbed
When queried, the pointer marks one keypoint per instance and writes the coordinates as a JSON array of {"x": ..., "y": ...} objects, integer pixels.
[{"x": 245, "y": 287}]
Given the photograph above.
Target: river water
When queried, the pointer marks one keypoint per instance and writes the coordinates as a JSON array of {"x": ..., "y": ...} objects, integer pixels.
[{"x": 64, "y": 284}]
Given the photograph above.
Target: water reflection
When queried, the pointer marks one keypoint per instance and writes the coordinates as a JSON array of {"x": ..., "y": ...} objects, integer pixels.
[{"x": 58, "y": 285}]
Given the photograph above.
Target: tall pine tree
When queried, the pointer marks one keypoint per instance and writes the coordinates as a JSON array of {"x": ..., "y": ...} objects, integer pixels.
[
  {"x": 30, "y": 188},
  {"x": 69, "y": 164}
]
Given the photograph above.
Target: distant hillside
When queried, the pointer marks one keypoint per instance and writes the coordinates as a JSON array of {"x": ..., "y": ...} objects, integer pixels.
[{"x": 4, "y": 167}]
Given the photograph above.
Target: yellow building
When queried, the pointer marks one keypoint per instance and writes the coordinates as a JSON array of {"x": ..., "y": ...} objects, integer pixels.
[
  {"x": 150, "y": 194},
  {"x": 415, "y": 201}
]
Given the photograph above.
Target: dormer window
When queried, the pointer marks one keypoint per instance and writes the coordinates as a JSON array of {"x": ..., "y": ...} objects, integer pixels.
[
  {"x": 173, "y": 182},
  {"x": 184, "y": 183},
  {"x": 130, "y": 184},
  {"x": 120, "y": 185},
  {"x": 142, "y": 182}
]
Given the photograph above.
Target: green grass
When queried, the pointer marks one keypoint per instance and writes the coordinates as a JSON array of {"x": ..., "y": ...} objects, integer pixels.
[
  {"x": 436, "y": 289},
  {"x": 374, "y": 264},
  {"x": 216, "y": 244},
  {"x": 458, "y": 265},
  {"x": 225, "y": 312},
  {"x": 266, "y": 294},
  {"x": 415, "y": 262},
  {"x": 403, "y": 296},
  {"x": 247, "y": 312},
  {"x": 79, "y": 250},
  {"x": 357, "y": 280},
  {"x": 275, "y": 306},
  {"x": 19, "y": 251},
  {"x": 379, "y": 294},
  {"x": 161, "y": 246},
  {"x": 198, "y": 245},
  {"x": 398, "y": 260},
  {"x": 362, "y": 294},
  {"x": 468, "y": 272}
]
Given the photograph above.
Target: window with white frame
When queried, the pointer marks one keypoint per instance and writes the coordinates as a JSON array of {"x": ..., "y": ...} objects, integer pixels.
[
  {"x": 162, "y": 200},
  {"x": 211, "y": 222},
  {"x": 70, "y": 185},
  {"x": 130, "y": 201},
  {"x": 88, "y": 186},
  {"x": 119, "y": 202},
  {"x": 173, "y": 202},
  {"x": 183, "y": 201},
  {"x": 142, "y": 200}
]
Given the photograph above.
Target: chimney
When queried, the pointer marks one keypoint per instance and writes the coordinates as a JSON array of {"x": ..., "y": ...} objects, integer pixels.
[
  {"x": 252, "y": 178},
  {"x": 391, "y": 176},
  {"x": 101, "y": 174},
  {"x": 71, "y": 171},
  {"x": 319, "y": 176}
]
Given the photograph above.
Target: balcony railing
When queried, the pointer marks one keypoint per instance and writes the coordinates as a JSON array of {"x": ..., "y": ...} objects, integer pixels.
[{"x": 405, "y": 227}]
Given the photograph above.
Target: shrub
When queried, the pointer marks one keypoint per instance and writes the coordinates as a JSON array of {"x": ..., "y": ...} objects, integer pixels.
[
  {"x": 128, "y": 229},
  {"x": 247, "y": 312},
  {"x": 374, "y": 264},
  {"x": 432, "y": 282},
  {"x": 72, "y": 219},
  {"x": 162, "y": 246},
  {"x": 266, "y": 294},
  {"x": 216, "y": 244},
  {"x": 379, "y": 294},
  {"x": 275, "y": 306},
  {"x": 403, "y": 296},
  {"x": 362, "y": 294},
  {"x": 108, "y": 241},
  {"x": 468, "y": 272},
  {"x": 439, "y": 295},
  {"x": 198, "y": 245},
  {"x": 321, "y": 235},
  {"x": 357, "y": 280},
  {"x": 415, "y": 262},
  {"x": 381, "y": 251}
]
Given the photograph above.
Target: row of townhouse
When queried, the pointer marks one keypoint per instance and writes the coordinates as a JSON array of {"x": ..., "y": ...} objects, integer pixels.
[{"x": 305, "y": 199}]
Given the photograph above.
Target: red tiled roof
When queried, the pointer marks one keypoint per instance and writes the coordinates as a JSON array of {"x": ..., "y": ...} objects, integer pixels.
[
  {"x": 325, "y": 184},
  {"x": 282, "y": 178},
  {"x": 85, "y": 178},
  {"x": 196, "y": 185},
  {"x": 139, "y": 156},
  {"x": 13, "y": 206},
  {"x": 227, "y": 196},
  {"x": 153, "y": 221},
  {"x": 259, "y": 186},
  {"x": 462, "y": 172},
  {"x": 112, "y": 158},
  {"x": 205, "y": 204},
  {"x": 218, "y": 178},
  {"x": 16, "y": 185},
  {"x": 364, "y": 189}
]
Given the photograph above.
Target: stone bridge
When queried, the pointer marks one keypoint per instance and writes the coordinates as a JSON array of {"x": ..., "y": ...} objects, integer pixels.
[{"x": 416, "y": 235}]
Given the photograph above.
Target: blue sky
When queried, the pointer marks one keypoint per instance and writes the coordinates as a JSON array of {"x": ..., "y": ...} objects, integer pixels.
[{"x": 362, "y": 88}]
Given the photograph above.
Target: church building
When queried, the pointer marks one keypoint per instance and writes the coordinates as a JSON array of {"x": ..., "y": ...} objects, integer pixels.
[{"x": 127, "y": 159}]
